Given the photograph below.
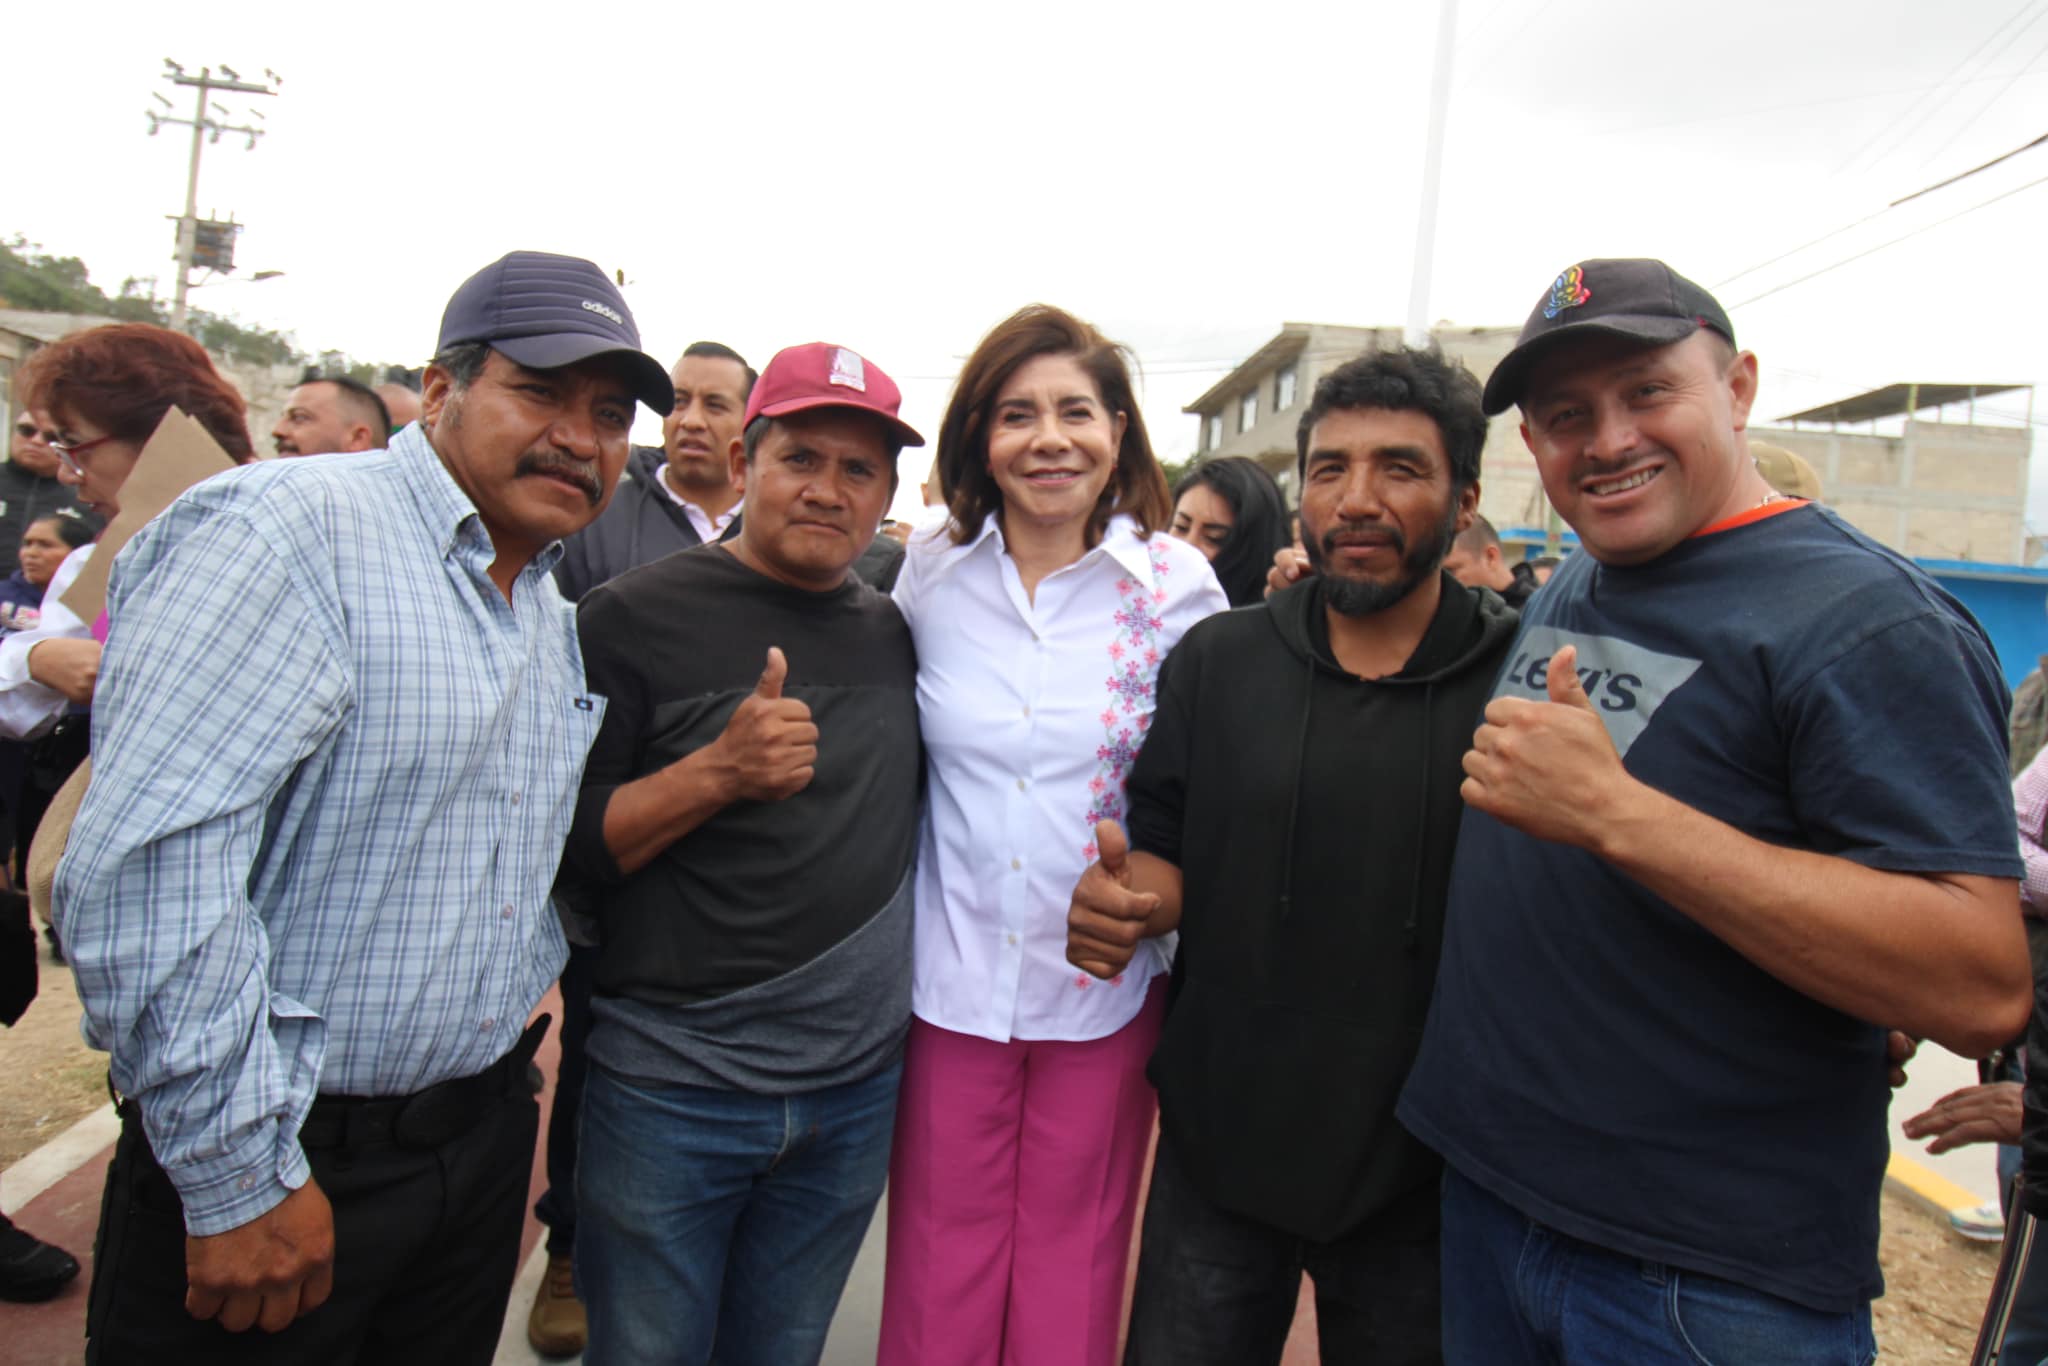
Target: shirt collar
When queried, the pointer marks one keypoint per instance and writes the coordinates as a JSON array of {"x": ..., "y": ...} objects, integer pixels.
[
  {"x": 444, "y": 509},
  {"x": 1121, "y": 541}
]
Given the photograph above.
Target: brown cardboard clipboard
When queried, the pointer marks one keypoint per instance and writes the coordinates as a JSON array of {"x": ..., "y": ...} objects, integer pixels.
[{"x": 177, "y": 455}]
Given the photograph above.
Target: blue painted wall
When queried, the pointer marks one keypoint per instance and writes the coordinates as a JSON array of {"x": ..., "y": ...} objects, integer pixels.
[{"x": 2013, "y": 608}]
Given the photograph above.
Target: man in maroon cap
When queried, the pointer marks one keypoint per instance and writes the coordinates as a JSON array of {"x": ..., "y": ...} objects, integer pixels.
[{"x": 744, "y": 840}]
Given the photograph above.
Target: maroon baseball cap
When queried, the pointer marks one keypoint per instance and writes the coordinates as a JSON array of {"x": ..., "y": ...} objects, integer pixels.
[{"x": 822, "y": 375}]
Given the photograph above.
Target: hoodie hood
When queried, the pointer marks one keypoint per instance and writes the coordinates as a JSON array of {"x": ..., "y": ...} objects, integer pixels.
[{"x": 1468, "y": 627}]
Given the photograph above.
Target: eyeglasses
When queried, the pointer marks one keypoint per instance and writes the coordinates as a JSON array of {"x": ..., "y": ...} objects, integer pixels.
[
  {"x": 69, "y": 451},
  {"x": 27, "y": 429}
]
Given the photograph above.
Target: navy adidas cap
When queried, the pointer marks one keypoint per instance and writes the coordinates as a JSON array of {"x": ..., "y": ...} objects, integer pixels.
[
  {"x": 1640, "y": 299},
  {"x": 546, "y": 311}
]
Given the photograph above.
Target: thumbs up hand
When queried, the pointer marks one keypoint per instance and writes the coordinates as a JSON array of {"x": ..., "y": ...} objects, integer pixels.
[
  {"x": 1548, "y": 768},
  {"x": 769, "y": 748},
  {"x": 1106, "y": 919}
]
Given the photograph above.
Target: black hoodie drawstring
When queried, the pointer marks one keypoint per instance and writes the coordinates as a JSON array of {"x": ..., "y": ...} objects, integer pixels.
[
  {"x": 1308, "y": 697},
  {"x": 1408, "y": 934}
]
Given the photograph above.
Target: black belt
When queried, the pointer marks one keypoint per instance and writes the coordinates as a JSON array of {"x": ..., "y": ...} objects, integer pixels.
[{"x": 424, "y": 1119}]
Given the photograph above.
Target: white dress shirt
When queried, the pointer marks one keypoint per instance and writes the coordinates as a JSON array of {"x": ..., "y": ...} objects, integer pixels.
[
  {"x": 28, "y": 708},
  {"x": 1032, "y": 712},
  {"x": 709, "y": 528}
]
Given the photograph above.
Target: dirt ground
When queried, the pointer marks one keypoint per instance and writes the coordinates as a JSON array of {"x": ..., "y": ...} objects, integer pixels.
[
  {"x": 49, "y": 1079},
  {"x": 1937, "y": 1280}
]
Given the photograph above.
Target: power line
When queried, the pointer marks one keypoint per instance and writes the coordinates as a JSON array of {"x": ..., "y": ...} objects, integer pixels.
[
  {"x": 1943, "y": 184},
  {"x": 1953, "y": 72},
  {"x": 1693, "y": 119},
  {"x": 1846, "y": 227},
  {"x": 1871, "y": 251},
  {"x": 1982, "y": 108}
]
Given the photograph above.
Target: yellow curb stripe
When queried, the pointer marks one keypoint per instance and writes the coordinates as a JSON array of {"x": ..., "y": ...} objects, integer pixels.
[{"x": 1928, "y": 1185}]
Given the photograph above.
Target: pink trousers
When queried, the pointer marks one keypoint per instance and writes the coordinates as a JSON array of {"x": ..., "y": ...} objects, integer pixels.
[{"x": 1012, "y": 1188}]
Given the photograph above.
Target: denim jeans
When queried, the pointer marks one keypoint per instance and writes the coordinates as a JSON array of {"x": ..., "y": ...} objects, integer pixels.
[
  {"x": 1516, "y": 1293},
  {"x": 719, "y": 1226}
]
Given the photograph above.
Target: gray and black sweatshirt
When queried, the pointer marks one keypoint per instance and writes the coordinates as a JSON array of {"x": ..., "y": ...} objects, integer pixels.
[{"x": 769, "y": 949}]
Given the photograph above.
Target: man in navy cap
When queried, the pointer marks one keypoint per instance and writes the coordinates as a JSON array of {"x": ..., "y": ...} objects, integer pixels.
[
  {"x": 744, "y": 840},
  {"x": 1720, "y": 836},
  {"x": 340, "y": 729}
]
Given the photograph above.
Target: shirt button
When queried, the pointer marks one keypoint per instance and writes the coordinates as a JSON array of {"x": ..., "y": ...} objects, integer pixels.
[
  {"x": 1016, "y": 863},
  {"x": 247, "y": 1183},
  {"x": 505, "y": 912},
  {"x": 488, "y": 1025},
  {"x": 1021, "y": 784},
  {"x": 1027, "y": 709},
  {"x": 1013, "y": 941},
  {"x": 515, "y": 799}
]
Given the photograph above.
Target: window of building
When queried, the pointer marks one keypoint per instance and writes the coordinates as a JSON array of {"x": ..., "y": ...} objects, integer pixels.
[
  {"x": 1283, "y": 390},
  {"x": 1212, "y": 431},
  {"x": 1248, "y": 411}
]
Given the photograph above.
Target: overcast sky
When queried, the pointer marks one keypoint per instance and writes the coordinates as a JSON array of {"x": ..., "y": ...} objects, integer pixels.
[{"x": 899, "y": 177}]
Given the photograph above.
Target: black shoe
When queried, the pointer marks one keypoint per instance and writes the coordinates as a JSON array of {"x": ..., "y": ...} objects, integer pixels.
[
  {"x": 31, "y": 1269},
  {"x": 56, "y": 946}
]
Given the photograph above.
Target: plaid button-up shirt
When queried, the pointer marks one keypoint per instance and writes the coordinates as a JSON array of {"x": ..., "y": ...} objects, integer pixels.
[{"x": 333, "y": 773}]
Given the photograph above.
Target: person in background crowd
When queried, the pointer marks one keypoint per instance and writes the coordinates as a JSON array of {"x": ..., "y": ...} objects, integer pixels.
[
  {"x": 332, "y": 416},
  {"x": 1709, "y": 857},
  {"x": 1041, "y": 611},
  {"x": 30, "y": 485},
  {"x": 401, "y": 403},
  {"x": 1293, "y": 813},
  {"x": 671, "y": 497},
  {"x": 1476, "y": 561},
  {"x": 680, "y": 493},
  {"x": 1231, "y": 510},
  {"x": 1786, "y": 471},
  {"x": 1994, "y": 1111},
  {"x": 45, "y": 543},
  {"x": 744, "y": 839},
  {"x": 307, "y": 893}
]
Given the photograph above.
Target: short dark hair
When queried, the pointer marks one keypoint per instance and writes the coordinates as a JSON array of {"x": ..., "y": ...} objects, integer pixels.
[
  {"x": 1137, "y": 487},
  {"x": 1475, "y": 538},
  {"x": 720, "y": 351},
  {"x": 72, "y": 529},
  {"x": 464, "y": 361},
  {"x": 1258, "y": 527},
  {"x": 361, "y": 402},
  {"x": 1405, "y": 379}
]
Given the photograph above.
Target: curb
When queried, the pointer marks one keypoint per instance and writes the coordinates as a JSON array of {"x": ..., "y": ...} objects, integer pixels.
[
  {"x": 58, "y": 1158},
  {"x": 1927, "y": 1187}
]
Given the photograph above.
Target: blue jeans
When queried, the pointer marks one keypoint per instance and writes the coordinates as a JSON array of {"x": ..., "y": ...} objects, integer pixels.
[
  {"x": 1519, "y": 1294},
  {"x": 719, "y": 1226}
]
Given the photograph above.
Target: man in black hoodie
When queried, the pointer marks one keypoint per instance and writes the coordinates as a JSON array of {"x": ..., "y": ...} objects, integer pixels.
[{"x": 1293, "y": 813}]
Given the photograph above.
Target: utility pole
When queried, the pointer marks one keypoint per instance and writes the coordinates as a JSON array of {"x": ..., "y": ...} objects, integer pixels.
[
  {"x": 1432, "y": 175},
  {"x": 207, "y": 119}
]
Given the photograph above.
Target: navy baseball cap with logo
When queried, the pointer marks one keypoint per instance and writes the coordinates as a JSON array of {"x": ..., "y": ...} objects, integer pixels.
[
  {"x": 546, "y": 311},
  {"x": 1644, "y": 300}
]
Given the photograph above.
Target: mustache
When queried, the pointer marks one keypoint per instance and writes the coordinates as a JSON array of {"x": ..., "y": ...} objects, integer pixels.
[
  {"x": 1379, "y": 531},
  {"x": 564, "y": 467}
]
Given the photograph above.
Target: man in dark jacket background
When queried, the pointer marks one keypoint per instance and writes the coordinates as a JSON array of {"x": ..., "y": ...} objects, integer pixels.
[
  {"x": 1293, "y": 814},
  {"x": 677, "y": 494}
]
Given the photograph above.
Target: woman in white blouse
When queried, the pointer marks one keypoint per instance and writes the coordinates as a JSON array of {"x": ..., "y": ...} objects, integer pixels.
[{"x": 1041, "y": 610}]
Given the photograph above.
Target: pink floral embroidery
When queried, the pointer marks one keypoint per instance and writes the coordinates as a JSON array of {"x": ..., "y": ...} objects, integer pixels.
[
  {"x": 1132, "y": 682},
  {"x": 1080, "y": 981}
]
